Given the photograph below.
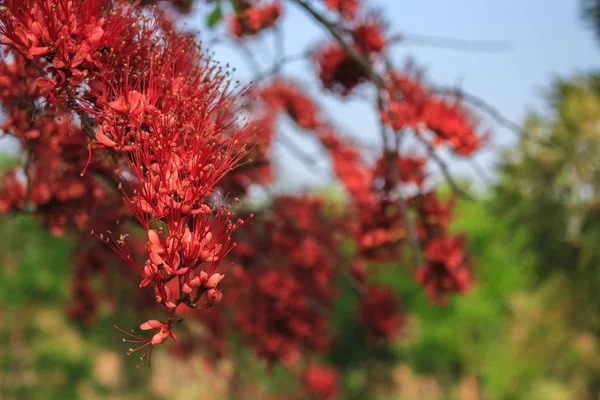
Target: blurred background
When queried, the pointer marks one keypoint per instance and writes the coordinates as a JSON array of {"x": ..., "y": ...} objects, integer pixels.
[{"x": 529, "y": 329}]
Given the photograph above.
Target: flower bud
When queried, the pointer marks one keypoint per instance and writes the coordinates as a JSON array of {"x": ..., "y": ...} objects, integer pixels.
[
  {"x": 214, "y": 296},
  {"x": 214, "y": 280}
]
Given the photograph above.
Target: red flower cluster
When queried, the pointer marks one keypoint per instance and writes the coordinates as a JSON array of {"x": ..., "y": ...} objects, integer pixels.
[
  {"x": 447, "y": 269},
  {"x": 379, "y": 311},
  {"x": 346, "y": 8},
  {"x": 251, "y": 19},
  {"x": 338, "y": 71},
  {"x": 49, "y": 180},
  {"x": 368, "y": 35},
  {"x": 72, "y": 41},
  {"x": 284, "y": 303},
  {"x": 287, "y": 97},
  {"x": 412, "y": 106}
]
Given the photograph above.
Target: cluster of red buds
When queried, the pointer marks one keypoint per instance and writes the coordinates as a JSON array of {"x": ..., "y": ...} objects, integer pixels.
[
  {"x": 379, "y": 311},
  {"x": 290, "y": 261},
  {"x": 346, "y": 8},
  {"x": 339, "y": 71},
  {"x": 447, "y": 268},
  {"x": 414, "y": 107},
  {"x": 251, "y": 19},
  {"x": 286, "y": 96}
]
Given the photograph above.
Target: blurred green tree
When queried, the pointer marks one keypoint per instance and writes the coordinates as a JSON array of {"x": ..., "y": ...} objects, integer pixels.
[
  {"x": 591, "y": 12},
  {"x": 550, "y": 188}
]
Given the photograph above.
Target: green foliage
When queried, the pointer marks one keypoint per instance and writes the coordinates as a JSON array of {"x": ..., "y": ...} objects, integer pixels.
[
  {"x": 549, "y": 189},
  {"x": 591, "y": 12},
  {"x": 215, "y": 15}
]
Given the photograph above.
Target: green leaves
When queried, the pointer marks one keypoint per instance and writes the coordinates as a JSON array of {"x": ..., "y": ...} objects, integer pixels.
[{"x": 215, "y": 15}]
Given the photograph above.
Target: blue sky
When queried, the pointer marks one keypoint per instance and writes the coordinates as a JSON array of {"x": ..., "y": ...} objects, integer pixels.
[{"x": 545, "y": 38}]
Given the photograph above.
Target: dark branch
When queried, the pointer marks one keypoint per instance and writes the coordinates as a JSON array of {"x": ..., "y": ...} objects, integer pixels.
[
  {"x": 484, "y": 106},
  {"x": 445, "y": 170}
]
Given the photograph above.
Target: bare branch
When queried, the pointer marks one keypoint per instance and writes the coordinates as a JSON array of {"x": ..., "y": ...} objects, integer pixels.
[
  {"x": 480, "y": 171},
  {"x": 445, "y": 170},
  {"x": 473, "y": 46},
  {"x": 279, "y": 48},
  {"x": 307, "y": 159},
  {"x": 283, "y": 61},
  {"x": 484, "y": 106}
]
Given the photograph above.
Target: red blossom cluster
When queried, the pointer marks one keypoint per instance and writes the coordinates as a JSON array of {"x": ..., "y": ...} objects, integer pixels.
[
  {"x": 73, "y": 42},
  {"x": 289, "y": 263},
  {"x": 379, "y": 311},
  {"x": 339, "y": 71},
  {"x": 50, "y": 180},
  {"x": 286, "y": 96},
  {"x": 447, "y": 269},
  {"x": 251, "y": 19},
  {"x": 346, "y": 8},
  {"x": 412, "y": 106}
]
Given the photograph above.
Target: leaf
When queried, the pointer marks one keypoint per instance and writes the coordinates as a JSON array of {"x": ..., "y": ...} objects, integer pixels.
[{"x": 215, "y": 15}]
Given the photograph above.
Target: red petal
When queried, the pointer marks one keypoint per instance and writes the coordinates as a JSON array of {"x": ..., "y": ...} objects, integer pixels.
[
  {"x": 105, "y": 140},
  {"x": 39, "y": 51},
  {"x": 151, "y": 324}
]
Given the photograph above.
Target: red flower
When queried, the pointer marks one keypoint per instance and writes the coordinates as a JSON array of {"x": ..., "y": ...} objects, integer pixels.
[
  {"x": 254, "y": 19},
  {"x": 446, "y": 271},
  {"x": 322, "y": 382},
  {"x": 347, "y": 8},
  {"x": 337, "y": 71},
  {"x": 412, "y": 106},
  {"x": 165, "y": 331},
  {"x": 286, "y": 95},
  {"x": 380, "y": 313}
]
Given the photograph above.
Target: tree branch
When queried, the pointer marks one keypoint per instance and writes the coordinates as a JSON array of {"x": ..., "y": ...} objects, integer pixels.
[
  {"x": 445, "y": 170},
  {"x": 451, "y": 43},
  {"x": 484, "y": 106},
  {"x": 307, "y": 159},
  {"x": 390, "y": 154}
]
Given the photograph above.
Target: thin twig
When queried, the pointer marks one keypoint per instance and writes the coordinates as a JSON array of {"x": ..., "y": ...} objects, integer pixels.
[
  {"x": 279, "y": 50},
  {"x": 445, "y": 170},
  {"x": 413, "y": 237},
  {"x": 484, "y": 106},
  {"x": 452, "y": 43},
  {"x": 251, "y": 60},
  {"x": 480, "y": 171},
  {"x": 307, "y": 159},
  {"x": 276, "y": 69}
]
